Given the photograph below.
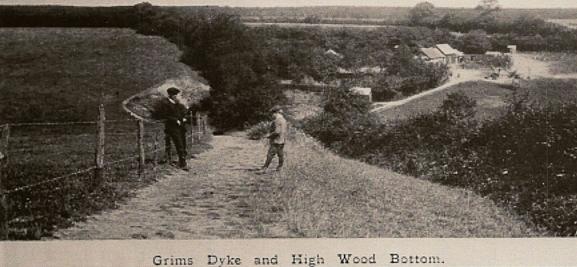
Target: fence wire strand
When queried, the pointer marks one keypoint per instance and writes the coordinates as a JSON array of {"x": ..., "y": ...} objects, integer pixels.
[
  {"x": 52, "y": 180},
  {"x": 83, "y": 171}
]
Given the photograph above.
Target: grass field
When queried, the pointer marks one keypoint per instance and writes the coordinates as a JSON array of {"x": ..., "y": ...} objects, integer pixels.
[
  {"x": 570, "y": 23},
  {"x": 320, "y": 194},
  {"x": 60, "y": 74},
  {"x": 491, "y": 98},
  {"x": 559, "y": 63}
]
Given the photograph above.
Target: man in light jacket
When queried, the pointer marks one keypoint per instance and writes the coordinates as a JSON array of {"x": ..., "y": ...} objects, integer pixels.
[{"x": 277, "y": 138}]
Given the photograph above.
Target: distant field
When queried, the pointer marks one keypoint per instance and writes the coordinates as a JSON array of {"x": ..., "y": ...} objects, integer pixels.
[
  {"x": 491, "y": 98},
  {"x": 320, "y": 25},
  {"x": 559, "y": 63},
  {"x": 386, "y": 14},
  {"x": 570, "y": 23},
  {"x": 58, "y": 74}
]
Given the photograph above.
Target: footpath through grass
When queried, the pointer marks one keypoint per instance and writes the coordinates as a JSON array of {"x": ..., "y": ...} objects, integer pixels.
[{"x": 320, "y": 194}]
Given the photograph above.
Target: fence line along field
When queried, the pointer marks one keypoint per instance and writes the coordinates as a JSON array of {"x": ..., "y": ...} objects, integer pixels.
[{"x": 61, "y": 75}]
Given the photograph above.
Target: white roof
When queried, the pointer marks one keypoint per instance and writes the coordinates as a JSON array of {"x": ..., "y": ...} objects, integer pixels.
[
  {"x": 432, "y": 53},
  {"x": 361, "y": 90},
  {"x": 344, "y": 71},
  {"x": 333, "y": 52},
  {"x": 448, "y": 50}
]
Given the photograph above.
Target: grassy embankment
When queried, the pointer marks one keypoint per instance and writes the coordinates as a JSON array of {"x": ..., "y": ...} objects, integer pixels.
[
  {"x": 57, "y": 74},
  {"x": 320, "y": 194}
]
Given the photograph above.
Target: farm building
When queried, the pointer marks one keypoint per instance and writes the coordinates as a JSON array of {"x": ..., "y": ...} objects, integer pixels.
[
  {"x": 452, "y": 55},
  {"x": 362, "y": 91},
  {"x": 333, "y": 54},
  {"x": 494, "y": 53},
  {"x": 358, "y": 72},
  {"x": 512, "y": 49},
  {"x": 432, "y": 54}
]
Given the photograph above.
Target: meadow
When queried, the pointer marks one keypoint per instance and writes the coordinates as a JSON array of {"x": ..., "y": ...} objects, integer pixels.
[
  {"x": 491, "y": 98},
  {"x": 570, "y": 23},
  {"x": 559, "y": 63},
  {"x": 61, "y": 75}
]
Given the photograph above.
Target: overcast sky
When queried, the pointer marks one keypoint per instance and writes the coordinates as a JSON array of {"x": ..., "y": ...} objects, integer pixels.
[{"x": 269, "y": 3}]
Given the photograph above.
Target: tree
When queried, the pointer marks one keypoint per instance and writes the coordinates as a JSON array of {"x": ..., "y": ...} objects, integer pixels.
[
  {"x": 476, "y": 42},
  {"x": 423, "y": 13},
  {"x": 488, "y": 6}
]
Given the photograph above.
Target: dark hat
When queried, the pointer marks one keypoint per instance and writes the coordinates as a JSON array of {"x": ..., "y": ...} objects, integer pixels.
[
  {"x": 172, "y": 91},
  {"x": 276, "y": 108}
]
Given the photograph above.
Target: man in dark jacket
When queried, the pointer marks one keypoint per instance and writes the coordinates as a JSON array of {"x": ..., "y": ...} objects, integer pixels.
[{"x": 174, "y": 113}]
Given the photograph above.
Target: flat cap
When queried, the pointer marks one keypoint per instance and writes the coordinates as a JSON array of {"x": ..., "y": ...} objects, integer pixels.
[{"x": 172, "y": 91}]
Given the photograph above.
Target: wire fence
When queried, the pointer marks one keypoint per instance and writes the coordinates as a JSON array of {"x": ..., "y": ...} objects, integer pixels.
[{"x": 52, "y": 173}]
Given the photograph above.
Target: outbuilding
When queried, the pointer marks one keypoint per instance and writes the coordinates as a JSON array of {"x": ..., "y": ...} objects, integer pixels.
[
  {"x": 452, "y": 55},
  {"x": 432, "y": 54},
  {"x": 363, "y": 91}
]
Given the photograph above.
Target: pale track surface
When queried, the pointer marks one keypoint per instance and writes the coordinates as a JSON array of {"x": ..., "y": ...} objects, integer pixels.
[{"x": 211, "y": 201}]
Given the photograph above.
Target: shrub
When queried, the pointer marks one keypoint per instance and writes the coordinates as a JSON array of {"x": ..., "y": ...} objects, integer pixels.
[
  {"x": 344, "y": 115},
  {"x": 259, "y": 130}
]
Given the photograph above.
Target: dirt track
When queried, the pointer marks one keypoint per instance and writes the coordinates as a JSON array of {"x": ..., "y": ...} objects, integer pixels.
[
  {"x": 524, "y": 64},
  {"x": 211, "y": 201}
]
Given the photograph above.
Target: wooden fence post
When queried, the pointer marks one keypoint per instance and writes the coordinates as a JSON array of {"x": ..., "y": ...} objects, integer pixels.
[
  {"x": 205, "y": 124},
  {"x": 191, "y": 130},
  {"x": 155, "y": 156},
  {"x": 3, "y": 198},
  {"x": 141, "y": 155},
  {"x": 99, "y": 158},
  {"x": 198, "y": 126},
  {"x": 3, "y": 202}
]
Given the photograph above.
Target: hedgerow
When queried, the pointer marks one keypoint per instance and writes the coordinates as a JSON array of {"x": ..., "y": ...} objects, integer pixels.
[{"x": 524, "y": 160}]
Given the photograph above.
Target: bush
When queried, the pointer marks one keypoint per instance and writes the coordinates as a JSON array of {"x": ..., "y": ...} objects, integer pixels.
[
  {"x": 344, "y": 116},
  {"x": 259, "y": 130}
]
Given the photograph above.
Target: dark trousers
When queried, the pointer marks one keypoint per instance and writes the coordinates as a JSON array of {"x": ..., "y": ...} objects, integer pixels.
[
  {"x": 278, "y": 150},
  {"x": 176, "y": 135}
]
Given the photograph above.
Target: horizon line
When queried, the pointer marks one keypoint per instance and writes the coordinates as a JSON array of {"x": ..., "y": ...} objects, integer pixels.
[{"x": 229, "y": 6}]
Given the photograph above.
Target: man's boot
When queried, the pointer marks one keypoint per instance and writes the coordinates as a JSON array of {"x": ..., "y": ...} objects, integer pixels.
[{"x": 182, "y": 164}]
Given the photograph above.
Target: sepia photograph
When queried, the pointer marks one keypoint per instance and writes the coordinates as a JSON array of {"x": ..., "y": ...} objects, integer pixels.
[{"x": 228, "y": 120}]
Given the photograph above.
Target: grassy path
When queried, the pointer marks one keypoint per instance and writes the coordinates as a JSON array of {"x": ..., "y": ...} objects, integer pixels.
[{"x": 318, "y": 194}]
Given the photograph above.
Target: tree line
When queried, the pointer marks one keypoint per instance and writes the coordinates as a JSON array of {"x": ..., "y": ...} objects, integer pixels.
[{"x": 497, "y": 29}]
